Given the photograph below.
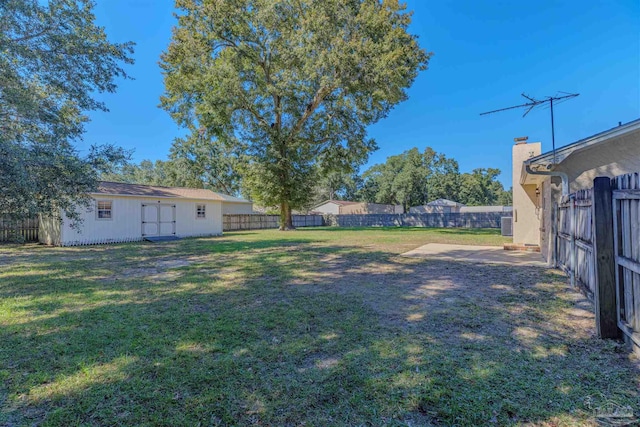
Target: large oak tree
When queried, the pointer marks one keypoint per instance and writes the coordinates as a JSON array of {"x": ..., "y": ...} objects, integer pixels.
[
  {"x": 53, "y": 60},
  {"x": 292, "y": 84}
]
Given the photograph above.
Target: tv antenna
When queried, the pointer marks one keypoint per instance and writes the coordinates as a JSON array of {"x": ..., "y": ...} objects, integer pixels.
[{"x": 533, "y": 103}]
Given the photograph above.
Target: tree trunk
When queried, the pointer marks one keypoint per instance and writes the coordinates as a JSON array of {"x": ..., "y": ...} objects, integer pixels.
[{"x": 286, "y": 222}]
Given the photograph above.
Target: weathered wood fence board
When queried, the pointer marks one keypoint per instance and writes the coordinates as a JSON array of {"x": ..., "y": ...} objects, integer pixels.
[
  {"x": 575, "y": 242},
  {"x": 232, "y": 222},
  {"x": 444, "y": 220},
  {"x": 626, "y": 221},
  {"x": 26, "y": 230}
]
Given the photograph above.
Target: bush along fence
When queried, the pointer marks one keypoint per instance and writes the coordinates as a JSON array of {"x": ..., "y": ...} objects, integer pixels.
[
  {"x": 598, "y": 244},
  {"x": 18, "y": 231},
  {"x": 443, "y": 220}
]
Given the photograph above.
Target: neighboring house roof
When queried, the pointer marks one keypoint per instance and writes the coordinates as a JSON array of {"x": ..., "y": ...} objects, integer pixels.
[
  {"x": 444, "y": 202},
  {"x": 123, "y": 189},
  {"x": 338, "y": 202}
]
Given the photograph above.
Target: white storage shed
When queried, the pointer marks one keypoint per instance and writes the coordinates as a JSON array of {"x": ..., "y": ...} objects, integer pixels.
[{"x": 130, "y": 212}]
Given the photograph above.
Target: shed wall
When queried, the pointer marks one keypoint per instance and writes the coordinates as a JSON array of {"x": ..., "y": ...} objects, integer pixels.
[
  {"x": 126, "y": 222},
  {"x": 188, "y": 225}
]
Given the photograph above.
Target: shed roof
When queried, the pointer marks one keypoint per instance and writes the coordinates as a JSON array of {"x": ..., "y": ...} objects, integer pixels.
[{"x": 124, "y": 189}]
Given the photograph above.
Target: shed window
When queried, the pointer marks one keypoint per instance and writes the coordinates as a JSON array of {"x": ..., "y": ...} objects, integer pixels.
[
  {"x": 201, "y": 211},
  {"x": 104, "y": 209}
]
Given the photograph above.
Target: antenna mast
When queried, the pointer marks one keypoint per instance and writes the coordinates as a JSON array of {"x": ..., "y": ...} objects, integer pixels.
[{"x": 533, "y": 103}]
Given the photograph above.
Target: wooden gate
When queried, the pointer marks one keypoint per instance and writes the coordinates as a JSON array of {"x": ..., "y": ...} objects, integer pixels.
[{"x": 626, "y": 237}]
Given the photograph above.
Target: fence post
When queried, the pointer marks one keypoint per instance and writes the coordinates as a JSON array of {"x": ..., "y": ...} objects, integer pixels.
[
  {"x": 570, "y": 264},
  {"x": 605, "y": 292}
]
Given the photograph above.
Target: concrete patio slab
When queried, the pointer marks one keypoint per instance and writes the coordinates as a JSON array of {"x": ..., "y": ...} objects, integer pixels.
[{"x": 480, "y": 254}]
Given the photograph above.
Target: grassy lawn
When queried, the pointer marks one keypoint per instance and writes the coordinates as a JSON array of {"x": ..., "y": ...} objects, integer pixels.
[{"x": 313, "y": 327}]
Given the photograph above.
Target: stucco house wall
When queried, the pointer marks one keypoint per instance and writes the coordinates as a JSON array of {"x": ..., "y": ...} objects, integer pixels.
[
  {"x": 610, "y": 160},
  {"x": 526, "y": 216}
]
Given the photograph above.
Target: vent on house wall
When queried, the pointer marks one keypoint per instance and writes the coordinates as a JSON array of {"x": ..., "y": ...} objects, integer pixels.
[{"x": 506, "y": 226}]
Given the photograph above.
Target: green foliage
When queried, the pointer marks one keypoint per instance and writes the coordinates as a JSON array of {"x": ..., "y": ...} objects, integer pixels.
[
  {"x": 195, "y": 162},
  {"x": 163, "y": 173},
  {"x": 411, "y": 179},
  {"x": 293, "y": 84},
  {"x": 338, "y": 186},
  {"x": 215, "y": 165},
  {"x": 53, "y": 59},
  {"x": 481, "y": 188},
  {"x": 506, "y": 197}
]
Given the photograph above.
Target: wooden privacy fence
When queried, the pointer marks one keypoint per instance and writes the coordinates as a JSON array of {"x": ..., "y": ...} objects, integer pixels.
[
  {"x": 598, "y": 245},
  {"x": 24, "y": 230},
  {"x": 231, "y": 222},
  {"x": 444, "y": 220},
  {"x": 626, "y": 237}
]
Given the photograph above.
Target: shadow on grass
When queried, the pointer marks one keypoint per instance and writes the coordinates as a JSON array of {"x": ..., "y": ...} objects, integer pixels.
[{"x": 281, "y": 334}]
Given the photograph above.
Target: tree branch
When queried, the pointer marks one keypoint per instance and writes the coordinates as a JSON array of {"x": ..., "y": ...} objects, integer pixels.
[
  {"x": 30, "y": 36},
  {"x": 317, "y": 100}
]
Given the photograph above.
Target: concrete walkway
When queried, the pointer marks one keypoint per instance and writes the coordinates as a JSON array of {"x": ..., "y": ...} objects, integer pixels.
[{"x": 482, "y": 254}]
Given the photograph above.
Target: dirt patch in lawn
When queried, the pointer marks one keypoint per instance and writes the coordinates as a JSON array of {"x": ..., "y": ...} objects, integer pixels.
[
  {"x": 457, "y": 301},
  {"x": 159, "y": 269}
]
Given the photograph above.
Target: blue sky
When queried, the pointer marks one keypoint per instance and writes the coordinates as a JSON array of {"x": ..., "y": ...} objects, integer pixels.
[{"x": 486, "y": 53}]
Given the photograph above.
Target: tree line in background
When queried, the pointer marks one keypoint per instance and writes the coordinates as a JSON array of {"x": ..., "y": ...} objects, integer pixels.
[
  {"x": 415, "y": 178},
  {"x": 409, "y": 179}
]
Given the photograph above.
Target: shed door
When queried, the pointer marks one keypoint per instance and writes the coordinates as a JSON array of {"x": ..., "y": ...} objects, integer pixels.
[{"x": 158, "y": 219}]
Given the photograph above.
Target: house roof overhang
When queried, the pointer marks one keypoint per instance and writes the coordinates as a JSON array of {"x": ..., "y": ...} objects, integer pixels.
[{"x": 553, "y": 161}]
